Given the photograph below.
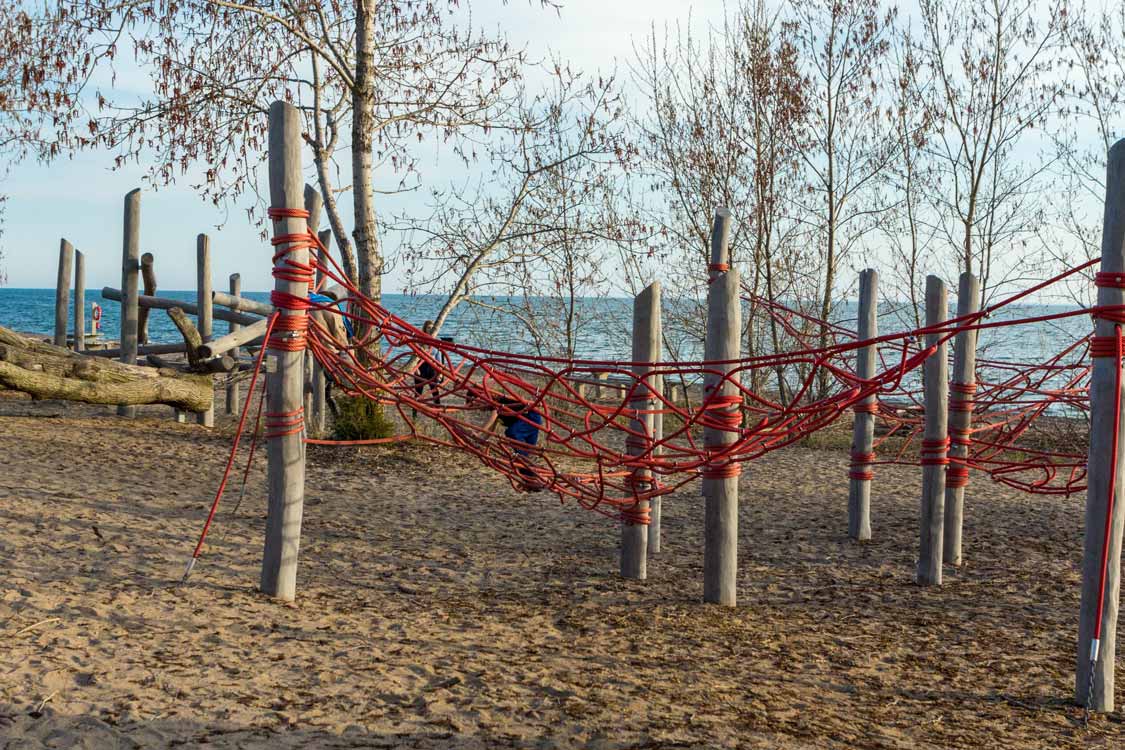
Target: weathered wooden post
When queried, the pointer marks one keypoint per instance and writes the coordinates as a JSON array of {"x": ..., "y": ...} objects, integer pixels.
[
  {"x": 313, "y": 204},
  {"x": 722, "y": 405},
  {"x": 320, "y": 383},
  {"x": 285, "y": 381},
  {"x": 79, "y": 301},
  {"x": 130, "y": 256},
  {"x": 148, "y": 279},
  {"x": 863, "y": 426},
  {"x": 205, "y": 320},
  {"x": 233, "y": 400},
  {"x": 657, "y": 435},
  {"x": 935, "y": 440},
  {"x": 1105, "y": 511},
  {"x": 62, "y": 291},
  {"x": 646, "y": 350},
  {"x": 962, "y": 388}
]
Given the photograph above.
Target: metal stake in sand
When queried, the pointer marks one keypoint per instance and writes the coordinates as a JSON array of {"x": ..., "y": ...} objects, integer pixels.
[
  {"x": 285, "y": 379},
  {"x": 863, "y": 426},
  {"x": 62, "y": 291},
  {"x": 935, "y": 440},
  {"x": 646, "y": 351},
  {"x": 1105, "y": 511},
  {"x": 79, "y": 301},
  {"x": 962, "y": 388},
  {"x": 130, "y": 256},
  {"x": 320, "y": 383},
  {"x": 205, "y": 320},
  {"x": 722, "y": 405},
  {"x": 232, "y": 327}
]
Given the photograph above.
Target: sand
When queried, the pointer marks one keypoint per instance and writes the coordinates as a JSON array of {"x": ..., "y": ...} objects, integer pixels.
[{"x": 438, "y": 608}]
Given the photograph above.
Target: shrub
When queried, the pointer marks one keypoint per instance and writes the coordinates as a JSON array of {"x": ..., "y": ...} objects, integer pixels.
[{"x": 361, "y": 419}]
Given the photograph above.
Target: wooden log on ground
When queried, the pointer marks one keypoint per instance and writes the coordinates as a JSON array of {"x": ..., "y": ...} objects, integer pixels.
[
  {"x": 935, "y": 441},
  {"x": 46, "y": 371},
  {"x": 62, "y": 291},
  {"x": 79, "y": 301},
  {"x": 960, "y": 419},
  {"x": 1094, "y": 677},
  {"x": 863, "y": 427},
  {"x": 203, "y": 302},
  {"x": 148, "y": 278},
  {"x": 284, "y": 383},
  {"x": 163, "y": 303},
  {"x": 721, "y": 398},
  {"x": 646, "y": 350},
  {"x": 234, "y": 399},
  {"x": 142, "y": 351}
]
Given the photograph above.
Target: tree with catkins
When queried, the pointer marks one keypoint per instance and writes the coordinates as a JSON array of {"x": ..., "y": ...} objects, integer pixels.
[
  {"x": 845, "y": 141},
  {"x": 718, "y": 128},
  {"x": 376, "y": 76},
  {"x": 531, "y": 233},
  {"x": 995, "y": 84}
]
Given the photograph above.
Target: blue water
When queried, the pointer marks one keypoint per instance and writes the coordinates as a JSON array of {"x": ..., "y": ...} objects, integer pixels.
[{"x": 602, "y": 331}]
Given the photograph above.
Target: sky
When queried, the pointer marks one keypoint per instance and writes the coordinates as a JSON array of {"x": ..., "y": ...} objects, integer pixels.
[{"x": 81, "y": 198}]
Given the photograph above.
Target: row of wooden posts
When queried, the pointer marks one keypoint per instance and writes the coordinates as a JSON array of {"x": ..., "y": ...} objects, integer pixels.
[{"x": 245, "y": 318}]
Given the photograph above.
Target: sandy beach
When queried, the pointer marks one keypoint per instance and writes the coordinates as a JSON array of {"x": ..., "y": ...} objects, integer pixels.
[{"x": 438, "y": 608}]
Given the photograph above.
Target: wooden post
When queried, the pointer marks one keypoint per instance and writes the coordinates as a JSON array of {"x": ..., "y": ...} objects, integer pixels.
[
  {"x": 312, "y": 205},
  {"x": 320, "y": 383},
  {"x": 1104, "y": 467},
  {"x": 934, "y": 438},
  {"x": 130, "y": 256},
  {"x": 720, "y": 479},
  {"x": 233, "y": 399},
  {"x": 148, "y": 279},
  {"x": 646, "y": 350},
  {"x": 285, "y": 381},
  {"x": 79, "y": 301},
  {"x": 863, "y": 426},
  {"x": 62, "y": 291},
  {"x": 602, "y": 377},
  {"x": 657, "y": 435},
  {"x": 205, "y": 320},
  {"x": 960, "y": 418}
]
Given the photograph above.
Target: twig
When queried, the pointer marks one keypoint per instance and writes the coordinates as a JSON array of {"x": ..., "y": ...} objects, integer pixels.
[
  {"x": 33, "y": 626},
  {"x": 43, "y": 702}
]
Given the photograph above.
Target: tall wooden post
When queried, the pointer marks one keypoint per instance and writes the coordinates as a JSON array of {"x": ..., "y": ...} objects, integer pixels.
[
  {"x": 130, "y": 256},
  {"x": 863, "y": 426},
  {"x": 962, "y": 388},
  {"x": 62, "y": 291},
  {"x": 646, "y": 350},
  {"x": 233, "y": 399},
  {"x": 1104, "y": 466},
  {"x": 721, "y": 402},
  {"x": 79, "y": 301},
  {"x": 205, "y": 320},
  {"x": 285, "y": 382},
  {"x": 320, "y": 382},
  {"x": 148, "y": 280},
  {"x": 313, "y": 204},
  {"x": 655, "y": 505},
  {"x": 935, "y": 440}
]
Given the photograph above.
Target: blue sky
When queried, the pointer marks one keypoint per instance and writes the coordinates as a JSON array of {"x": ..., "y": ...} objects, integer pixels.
[{"x": 80, "y": 198}]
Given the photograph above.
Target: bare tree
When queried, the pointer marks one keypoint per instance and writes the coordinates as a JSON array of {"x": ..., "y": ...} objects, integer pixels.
[{"x": 992, "y": 65}]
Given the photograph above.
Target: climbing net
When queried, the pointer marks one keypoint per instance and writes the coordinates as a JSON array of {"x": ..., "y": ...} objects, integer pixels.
[{"x": 603, "y": 452}]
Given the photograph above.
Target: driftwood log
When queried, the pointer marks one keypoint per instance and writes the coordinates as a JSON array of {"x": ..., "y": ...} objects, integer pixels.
[{"x": 45, "y": 371}]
